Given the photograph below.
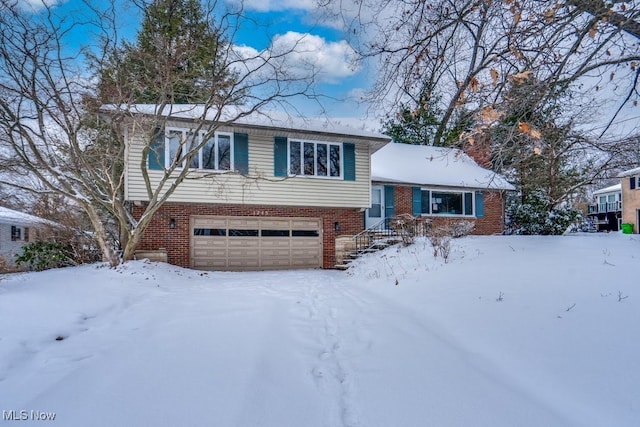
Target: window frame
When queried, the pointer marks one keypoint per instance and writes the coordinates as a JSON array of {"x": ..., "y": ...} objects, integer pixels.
[
  {"x": 168, "y": 160},
  {"x": 462, "y": 194},
  {"x": 16, "y": 233},
  {"x": 315, "y": 175}
]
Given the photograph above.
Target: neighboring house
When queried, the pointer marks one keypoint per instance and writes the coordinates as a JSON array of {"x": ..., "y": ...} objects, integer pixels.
[
  {"x": 630, "y": 183},
  {"x": 437, "y": 183},
  {"x": 16, "y": 230},
  {"x": 262, "y": 194},
  {"x": 606, "y": 213}
]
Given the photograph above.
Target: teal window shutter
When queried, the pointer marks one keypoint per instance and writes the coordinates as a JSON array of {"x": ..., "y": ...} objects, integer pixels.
[
  {"x": 155, "y": 156},
  {"x": 468, "y": 203},
  {"x": 241, "y": 152},
  {"x": 280, "y": 156},
  {"x": 349, "y": 161},
  {"x": 632, "y": 183},
  {"x": 416, "y": 201},
  {"x": 479, "y": 204},
  {"x": 389, "y": 201}
]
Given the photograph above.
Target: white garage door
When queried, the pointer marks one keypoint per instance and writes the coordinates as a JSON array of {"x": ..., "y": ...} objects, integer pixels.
[{"x": 255, "y": 243}]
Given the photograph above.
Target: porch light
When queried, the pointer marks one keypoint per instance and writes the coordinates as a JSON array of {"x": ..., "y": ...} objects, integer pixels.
[{"x": 172, "y": 223}]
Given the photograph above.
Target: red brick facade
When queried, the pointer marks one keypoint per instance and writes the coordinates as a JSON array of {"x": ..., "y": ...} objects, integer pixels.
[
  {"x": 491, "y": 223},
  {"x": 176, "y": 240},
  {"x": 493, "y": 220},
  {"x": 403, "y": 199}
]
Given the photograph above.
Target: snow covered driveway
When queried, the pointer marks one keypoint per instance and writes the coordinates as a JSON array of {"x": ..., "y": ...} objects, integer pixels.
[{"x": 525, "y": 331}]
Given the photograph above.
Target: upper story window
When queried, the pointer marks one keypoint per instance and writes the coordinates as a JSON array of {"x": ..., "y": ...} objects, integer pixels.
[
  {"x": 215, "y": 154},
  {"x": 438, "y": 202},
  {"x": 319, "y": 159}
]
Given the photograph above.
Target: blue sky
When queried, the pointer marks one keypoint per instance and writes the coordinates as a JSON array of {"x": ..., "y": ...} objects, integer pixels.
[{"x": 270, "y": 22}]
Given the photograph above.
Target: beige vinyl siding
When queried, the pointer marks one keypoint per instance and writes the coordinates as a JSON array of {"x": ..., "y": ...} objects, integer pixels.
[
  {"x": 261, "y": 188},
  {"x": 630, "y": 203}
]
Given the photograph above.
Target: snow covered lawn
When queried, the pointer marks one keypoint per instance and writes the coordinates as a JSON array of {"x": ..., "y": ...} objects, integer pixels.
[{"x": 512, "y": 331}]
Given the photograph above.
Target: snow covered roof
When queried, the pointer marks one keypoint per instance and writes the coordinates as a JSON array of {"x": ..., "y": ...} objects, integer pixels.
[
  {"x": 427, "y": 165},
  {"x": 20, "y": 218},
  {"x": 264, "y": 119},
  {"x": 634, "y": 171},
  {"x": 610, "y": 189}
]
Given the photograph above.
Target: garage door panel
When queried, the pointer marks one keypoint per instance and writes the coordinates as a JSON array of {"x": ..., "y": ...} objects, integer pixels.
[
  {"x": 251, "y": 243},
  {"x": 305, "y": 224},
  {"x": 209, "y": 223},
  {"x": 275, "y": 223},
  {"x": 302, "y": 262},
  {"x": 275, "y": 243},
  {"x": 307, "y": 254},
  {"x": 210, "y": 262},
  {"x": 203, "y": 242},
  {"x": 277, "y": 254},
  {"x": 210, "y": 253},
  {"x": 243, "y": 242},
  {"x": 304, "y": 242},
  {"x": 243, "y": 253},
  {"x": 275, "y": 263},
  {"x": 243, "y": 264},
  {"x": 244, "y": 222}
]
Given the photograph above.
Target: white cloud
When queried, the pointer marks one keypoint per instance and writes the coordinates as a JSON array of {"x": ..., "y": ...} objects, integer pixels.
[
  {"x": 36, "y": 5},
  {"x": 331, "y": 61},
  {"x": 298, "y": 55}
]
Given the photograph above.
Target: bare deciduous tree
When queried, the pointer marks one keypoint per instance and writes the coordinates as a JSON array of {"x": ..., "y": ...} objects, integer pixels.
[
  {"x": 56, "y": 132},
  {"x": 468, "y": 51}
]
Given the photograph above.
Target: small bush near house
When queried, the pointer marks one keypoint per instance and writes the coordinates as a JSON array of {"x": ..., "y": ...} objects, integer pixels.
[
  {"x": 533, "y": 216},
  {"x": 461, "y": 228},
  {"x": 43, "y": 255},
  {"x": 440, "y": 236},
  {"x": 408, "y": 227},
  {"x": 4, "y": 266}
]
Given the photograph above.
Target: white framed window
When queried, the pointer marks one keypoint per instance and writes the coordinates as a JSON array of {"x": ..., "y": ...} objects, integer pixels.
[
  {"x": 446, "y": 202},
  {"x": 315, "y": 159},
  {"x": 215, "y": 155}
]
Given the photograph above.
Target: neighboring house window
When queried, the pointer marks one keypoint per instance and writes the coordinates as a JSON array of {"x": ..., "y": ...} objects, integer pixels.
[
  {"x": 319, "y": 159},
  {"x": 438, "y": 202},
  {"x": 603, "y": 204},
  {"x": 15, "y": 233},
  {"x": 215, "y": 154}
]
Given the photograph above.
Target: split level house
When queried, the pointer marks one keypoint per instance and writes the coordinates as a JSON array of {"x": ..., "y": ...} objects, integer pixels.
[{"x": 269, "y": 193}]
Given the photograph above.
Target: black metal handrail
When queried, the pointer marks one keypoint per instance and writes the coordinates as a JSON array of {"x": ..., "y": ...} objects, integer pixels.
[
  {"x": 390, "y": 228},
  {"x": 368, "y": 238}
]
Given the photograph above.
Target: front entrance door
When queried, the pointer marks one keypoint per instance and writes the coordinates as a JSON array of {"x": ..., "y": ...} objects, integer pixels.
[{"x": 375, "y": 214}]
